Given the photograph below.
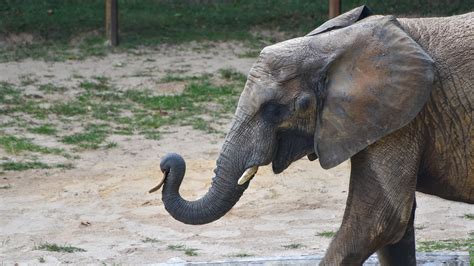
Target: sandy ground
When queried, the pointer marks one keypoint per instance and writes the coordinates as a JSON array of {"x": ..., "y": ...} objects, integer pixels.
[{"x": 102, "y": 205}]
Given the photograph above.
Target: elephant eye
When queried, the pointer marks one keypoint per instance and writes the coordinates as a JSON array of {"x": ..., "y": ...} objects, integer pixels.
[{"x": 274, "y": 112}]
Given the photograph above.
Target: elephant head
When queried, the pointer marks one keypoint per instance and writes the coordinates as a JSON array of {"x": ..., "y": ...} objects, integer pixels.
[{"x": 328, "y": 94}]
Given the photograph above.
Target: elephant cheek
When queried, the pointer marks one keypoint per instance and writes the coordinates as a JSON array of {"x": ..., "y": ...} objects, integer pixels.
[
  {"x": 278, "y": 165},
  {"x": 291, "y": 147}
]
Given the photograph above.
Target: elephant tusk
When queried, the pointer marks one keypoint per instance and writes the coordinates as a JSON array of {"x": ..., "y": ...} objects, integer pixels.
[
  {"x": 247, "y": 175},
  {"x": 162, "y": 181}
]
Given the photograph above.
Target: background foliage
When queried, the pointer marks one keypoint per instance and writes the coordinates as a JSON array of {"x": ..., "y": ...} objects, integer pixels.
[{"x": 149, "y": 22}]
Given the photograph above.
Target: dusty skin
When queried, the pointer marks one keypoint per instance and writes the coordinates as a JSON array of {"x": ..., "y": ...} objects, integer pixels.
[{"x": 102, "y": 205}]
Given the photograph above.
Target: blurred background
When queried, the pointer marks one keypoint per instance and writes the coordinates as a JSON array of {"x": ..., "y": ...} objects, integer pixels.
[{"x": 63, "y": 24}]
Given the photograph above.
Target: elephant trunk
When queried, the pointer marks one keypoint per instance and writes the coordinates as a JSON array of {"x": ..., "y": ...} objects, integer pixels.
[{"x": 221, "y": 197}]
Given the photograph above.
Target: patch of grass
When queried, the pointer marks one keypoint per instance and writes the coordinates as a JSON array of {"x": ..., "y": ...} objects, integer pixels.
[
  {"x": 171, "y": 102},
  {"x": 249, "y": 54},
  {"x": 187, "y": 251},
  {"x": 241, "y": 255},
  {"x": 179, "y": 247},
  {"x": 59, "y": 248},
  {"x": 9, "y": 94},
  {"x": 72, "y": 108},
  {"x": 32, "y": 108},
  {"x": 6, "y": 186},
  {"x": 150, "y": 240},
  {"x": 149, "y": 112},
  {"x": 46, "y": 129},
  {"x": 154, "y": 135},
  {"x": 22, "y": 166},
  {"x": 123, "y": 130},
  {"x": 41, "y": 260},
  {"x": 171, "y": 78},
  {"x": 449, "y": 244},
  {"x": 28, "y": 165},
  {"x": 113, "y": 112},
  {"x": 202, "y": 91},
  {"x": 469, "y": 216},
  {"x": 27, "y": 79},
  {"x": 100, "y": 84},
  {"x": 190, "y": 252},
  {"x": 328, "y": 234},
  {"x": 15, "y": 145},
  {"x": 110, "y": 145},
  {"x": 105, "y": 110},
  {"x": 91, "y": 138},
  {"x": 147, "y": 121},
  {"x": 51, "y": 88},
  {"x": 471, "y": 257},
  {"x": 156, "y": 111},
  {"x": 201, "y": 124},
  {"x": 64, "y": 166},
  {"x": 293, "y": 246},
  {"x": 157, "y": 22},
  {"x": 232, "y": 74}
]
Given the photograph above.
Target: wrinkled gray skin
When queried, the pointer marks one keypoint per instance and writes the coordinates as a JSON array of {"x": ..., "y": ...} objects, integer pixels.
[{"x": 393, "y": 95}]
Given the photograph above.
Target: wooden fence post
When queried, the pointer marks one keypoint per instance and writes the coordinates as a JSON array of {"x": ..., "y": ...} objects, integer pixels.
[
  {"x": 334, "y": 8},
  {"x": 111, "y": 22}
]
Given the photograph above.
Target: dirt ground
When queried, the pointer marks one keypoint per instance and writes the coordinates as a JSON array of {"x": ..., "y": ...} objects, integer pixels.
[{"x": 103, "y": 207}]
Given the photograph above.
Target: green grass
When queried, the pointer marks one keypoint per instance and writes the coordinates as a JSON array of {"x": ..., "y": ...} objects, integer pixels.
[
  {"x": 158, "y": 102},
  {"x": 50, "y": 88},
  {"x": 171, "y": 78},
  {"x": 249, "y": 54},
  {"x": 46, "y": 129},
  {"x": 187, "y": 251},
  {"x": 293, "y": 246},
  {"x": 27, "y": 79},
  {"x": 9, "y": 94},
  {"x": 176, "y": 247},
  {"x": 59, "y": 248},
  {"x": 328, "y": 234},
  {"x": 110, "y": 145},
  {"x": 99, "y": 84},
  {"x": 72, "y": 108},
  {"x": 150, "y": 240},
  {"x": 156, "y": 22},
  {"x": 63, "y": 166},
  {"x": 191, "y": 252},
  {"x": 241, "y": 255},
  {"x": 203, "y": 125},
  {"x": 16, "y": 145},
  {"x": 90, "y": 138},
  {"x": 449, "y": 244},
  {"x": 25, "y": 165},
  {"x": 232, "y": 74},
  {"x": 6, "y": 186},
  {"x": 469, "y": 216},
  {"x": 99, "y": 101},
  {"x": 22, "y": 166},
  {"x": 104, "y": 110}
]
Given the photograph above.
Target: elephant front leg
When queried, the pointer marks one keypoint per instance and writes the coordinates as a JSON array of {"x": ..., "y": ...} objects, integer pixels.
[
  {"x": 402, "y": 252},
  {"x": 379, "y": 205}
]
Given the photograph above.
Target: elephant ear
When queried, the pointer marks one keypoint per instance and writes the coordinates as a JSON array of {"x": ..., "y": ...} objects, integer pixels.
[
  {"x": 343, "y": 20},
  {"x": 378, "y": 79}
]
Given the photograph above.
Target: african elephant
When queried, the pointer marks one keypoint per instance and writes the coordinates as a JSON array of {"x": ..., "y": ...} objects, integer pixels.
[{"x": 395, "y": 95}]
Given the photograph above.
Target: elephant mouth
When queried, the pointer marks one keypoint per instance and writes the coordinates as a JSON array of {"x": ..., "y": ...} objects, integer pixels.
[{"x": 292, "y": 145}]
